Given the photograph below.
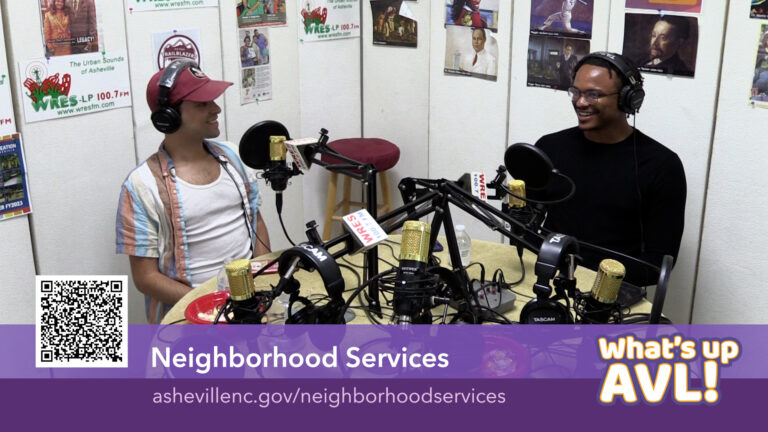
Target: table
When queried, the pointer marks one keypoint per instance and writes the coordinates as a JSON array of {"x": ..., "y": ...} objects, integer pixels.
[{"x": 493, "y": 255}]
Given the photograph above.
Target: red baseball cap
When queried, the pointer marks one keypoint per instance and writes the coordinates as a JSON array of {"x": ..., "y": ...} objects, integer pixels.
[{"x": 190, "y": 85}]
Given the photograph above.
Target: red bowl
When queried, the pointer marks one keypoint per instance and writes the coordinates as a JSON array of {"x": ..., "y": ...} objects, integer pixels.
[{"x": 203, "y": 310}]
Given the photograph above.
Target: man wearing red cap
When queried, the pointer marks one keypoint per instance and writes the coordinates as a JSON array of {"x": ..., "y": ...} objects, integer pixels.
[{"x": 190, "y": 207}]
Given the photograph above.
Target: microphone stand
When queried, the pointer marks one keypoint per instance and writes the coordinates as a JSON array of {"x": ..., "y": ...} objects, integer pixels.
[{"x": 366, "y": 174}]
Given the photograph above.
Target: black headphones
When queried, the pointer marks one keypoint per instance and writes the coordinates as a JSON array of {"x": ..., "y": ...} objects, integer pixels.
[
  {"x": 632, "y": 94},
  {"x": 166, "y": 118},
  {"x": 314, "y": 257},
  {"x": 552, "y": 257}
]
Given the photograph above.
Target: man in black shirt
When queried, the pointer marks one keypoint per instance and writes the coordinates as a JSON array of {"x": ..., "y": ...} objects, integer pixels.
[{"x": 630, "y": 189}]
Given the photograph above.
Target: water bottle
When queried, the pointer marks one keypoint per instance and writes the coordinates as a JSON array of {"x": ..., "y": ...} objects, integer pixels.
[{"x": 465, "y": 244}]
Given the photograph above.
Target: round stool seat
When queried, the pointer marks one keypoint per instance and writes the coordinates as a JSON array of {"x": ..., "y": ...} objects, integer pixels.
[{"x": 378, "y": 152}]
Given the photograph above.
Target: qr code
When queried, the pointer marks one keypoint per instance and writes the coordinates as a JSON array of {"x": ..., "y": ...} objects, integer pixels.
[{"x": 81, "y": 321}]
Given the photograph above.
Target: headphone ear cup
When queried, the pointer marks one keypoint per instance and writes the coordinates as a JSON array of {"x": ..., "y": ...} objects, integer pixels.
[
  {"x": 545, "y": 312},
  {"x": 636, "y": 99},
  {"x": 166, "y": 120}
]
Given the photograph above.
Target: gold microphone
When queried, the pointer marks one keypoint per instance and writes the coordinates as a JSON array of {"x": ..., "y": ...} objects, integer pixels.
[
  {"x": 277, "y": 148},
  {"x": 245, "y": 303},
  {"x": 517, "y": 187},
  {"x": 414, "y": 246},
  {"x": 601, "y": 303},
  {"x": 608, "y": 281},
  {"x": 410, "y": 299}
]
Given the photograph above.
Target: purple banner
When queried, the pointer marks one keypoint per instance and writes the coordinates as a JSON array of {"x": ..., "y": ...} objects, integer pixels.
[
  {"x": 415, "y": 352},
  {"x": 366, "y": 405}
]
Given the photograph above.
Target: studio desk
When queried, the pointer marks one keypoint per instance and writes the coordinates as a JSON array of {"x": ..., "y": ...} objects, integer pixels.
[{"x": 491, "y": 254}]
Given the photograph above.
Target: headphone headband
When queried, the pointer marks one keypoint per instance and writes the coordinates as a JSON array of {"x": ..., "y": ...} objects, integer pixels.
[
  {"x": 166, "y": 118},
  {"x": 632, "y": 94}
]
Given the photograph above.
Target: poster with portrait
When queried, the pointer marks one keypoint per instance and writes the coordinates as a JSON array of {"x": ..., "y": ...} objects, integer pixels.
[
  {"x": 69, "y": 26},
  {"x": 176, "y": 45},
  {"x": 321, "y": 20},
  {"x": 689, "y": 6},
  {"x": 255, "y": 65},
  {"x": 14, "y": 189},
  {"x": 759, "y": 92},
  {"x": 393, "y": 23},
  {"x": 565, "y": 18},
  {"x": 254, "y": 13},
  {"x": 759, "y": 9},
  {"x": 552, "y": 60},
  {"x": 473, "y": 13},
  {"x": 663, "y": 44},
  {"x": 471, "y": 52}
]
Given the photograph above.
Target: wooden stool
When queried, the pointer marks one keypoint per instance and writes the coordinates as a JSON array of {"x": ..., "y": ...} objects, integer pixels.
[{"x": 378, "y": 152}]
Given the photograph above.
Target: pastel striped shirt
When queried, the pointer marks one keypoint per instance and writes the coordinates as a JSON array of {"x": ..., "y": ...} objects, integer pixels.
[{"x": 150, "y": 215}]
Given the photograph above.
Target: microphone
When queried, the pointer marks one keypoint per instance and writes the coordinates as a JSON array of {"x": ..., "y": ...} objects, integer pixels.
[
  {"x": 414, "y": 288},
  {"x": 600, "y": 303},
  {"x": 262, "y": 147},
  {"x": 246, "y": 305}
]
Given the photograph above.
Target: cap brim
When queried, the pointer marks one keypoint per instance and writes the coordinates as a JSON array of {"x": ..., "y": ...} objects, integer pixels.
[{"x": 206, "y": 92}]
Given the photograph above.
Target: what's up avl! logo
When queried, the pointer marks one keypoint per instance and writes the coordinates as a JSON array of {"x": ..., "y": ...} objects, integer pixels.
[{"x": 48, "y": 92}]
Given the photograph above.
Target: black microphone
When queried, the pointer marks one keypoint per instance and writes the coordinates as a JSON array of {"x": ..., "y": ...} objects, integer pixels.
[
  {"x": 413, "y": 286},
  {"x": 277, "y": 173},
  {"x": 600, "y": 303},
  {"x": 262, "y": 147},
  {"x": 247, "y": 307}
]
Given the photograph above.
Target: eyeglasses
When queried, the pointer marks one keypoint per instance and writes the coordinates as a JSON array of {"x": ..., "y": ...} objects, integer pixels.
[{"x": 591, "y": 96}]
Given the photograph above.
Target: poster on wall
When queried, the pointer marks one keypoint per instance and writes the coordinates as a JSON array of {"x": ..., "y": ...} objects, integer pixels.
[
  {"x": 14, "y": 189},
  {"x": 176, "y": 45},
  {"x": 473, "y": 13},
  {"x": 552, "y": 60},
  {"x": 393, "y": 23},
  {"x": 7, "y": 125},
  {"x": 471, "y": 52},
  {"x": 567, "y": 18},
  {"x": 759, "y": 9},
  {"x": 68, "y": 86},
  {"x": 667, "y": 44},
  {"x": 252, "y": 13},
  {"x": 322, "y": 20},
  {"x": 690, "y": 6},
  {"x": 69, "y": 27},
  {"x": 759, "y": 93},
  {"x": 255, "y": 65},
  {"x": 156, "y": 5}
]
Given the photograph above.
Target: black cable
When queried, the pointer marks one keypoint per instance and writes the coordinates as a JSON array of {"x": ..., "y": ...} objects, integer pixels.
[
  {"x": 637, "y": 183},
  {"x": 350, "y": 268},
  {"x": 280, "y": 216},
  {"x": 360, "y": 288}
]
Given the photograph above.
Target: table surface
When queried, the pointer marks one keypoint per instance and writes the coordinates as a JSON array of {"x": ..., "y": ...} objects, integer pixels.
[{"x": 492, "y": 255}]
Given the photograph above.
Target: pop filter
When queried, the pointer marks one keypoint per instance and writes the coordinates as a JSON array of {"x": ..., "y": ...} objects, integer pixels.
[
  {"x": 530, "y": 164},
  {"x": 254, "y": 145}
]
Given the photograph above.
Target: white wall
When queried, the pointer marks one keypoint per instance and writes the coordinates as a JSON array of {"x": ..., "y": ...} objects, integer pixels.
[
  {"x": 679, "y": 113},
  {"x": 17, "y": 267},
  {"x": 75, "y": 165},
  {"x": 396, "y": 86},
  {"x": 444, "y": 126},
  {"x": 329, "y": 83},
  {"x": 730, "y": 284},
  {"x": 467, "y": 116}
]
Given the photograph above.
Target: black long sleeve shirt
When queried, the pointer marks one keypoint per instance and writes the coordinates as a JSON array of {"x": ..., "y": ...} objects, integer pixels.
[{"x": 620, "y": 203}]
